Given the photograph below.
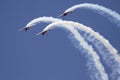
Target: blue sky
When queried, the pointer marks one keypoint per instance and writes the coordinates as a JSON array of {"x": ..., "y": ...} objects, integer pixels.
[{"x": 23, "y": 56}]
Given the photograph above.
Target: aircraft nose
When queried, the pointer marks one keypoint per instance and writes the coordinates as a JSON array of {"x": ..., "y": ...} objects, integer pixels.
[
  {"x": 26, "y": 28},
  {"x": 60, "y": 15},
  {"x": 43, "y": 32}
]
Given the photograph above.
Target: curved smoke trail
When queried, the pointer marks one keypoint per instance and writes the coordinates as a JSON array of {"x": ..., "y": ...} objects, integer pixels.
[
  {"x": 104, "y": 41},
  {"x": 92, "y": 54},
  {"x": 40, "y": 19},
  {"x": 111, "y": 15},
  {"x": 109, "y": 54},
  {"x": 103, "y": 46},
  {"x": 111, "y": 63},
  {"x": 96, "y": 57}
]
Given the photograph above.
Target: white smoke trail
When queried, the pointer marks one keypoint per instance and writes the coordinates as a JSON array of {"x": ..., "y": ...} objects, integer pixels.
[
  {"x": 104, "y": 41},
  {"x": 48, "y": 20},
  {"x": 110, "y": 55},
  {"x": 106, "y": 55},
  {"x": 111, "y": 15},
  {"x": 92, "y": 54},
  {"x": 97, "y": 35},
  {"x": 40, "y": 19},
  {"x": 91, "y": 65}
]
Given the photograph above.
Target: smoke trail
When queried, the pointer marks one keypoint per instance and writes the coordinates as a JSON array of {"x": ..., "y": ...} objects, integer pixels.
[
  {"x": 104, "y": 41},
  {"x": 111, "y": 15},
  {"x": 106, "y": 55},
  {"x": 110, "y": 55},
  {"x": 40, "y": 19},
  {"x": 99, "y": 72},
  {"x": 97, "y": 35},
  {"x": 105, "y": 49}
]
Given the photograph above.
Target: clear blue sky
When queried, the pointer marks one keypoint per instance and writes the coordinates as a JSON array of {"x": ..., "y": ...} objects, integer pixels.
[{"x": 23, "y": 56}]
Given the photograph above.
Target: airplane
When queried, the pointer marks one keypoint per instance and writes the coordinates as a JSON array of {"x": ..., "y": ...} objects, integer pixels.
[
  {"x": 43, "y": 32},
  {"x": 64, "y": 14},
  {"x": 26, "y": 28}
]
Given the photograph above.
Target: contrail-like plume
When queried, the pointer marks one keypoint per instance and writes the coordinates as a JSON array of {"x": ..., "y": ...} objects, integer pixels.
[
  {"x": 105, "y": 49},
  {"x": 38, "y": 20},
  {"x": 99, "y": 72},
  {"x": 111, "y": 15},
  {"x": 51, "y": 19},
  {"x": 109, "y": 54},
  {"x": 97, "y": 35},
  {"x": 109, "y": 60},
  {"x": 104, "y": 41}
]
